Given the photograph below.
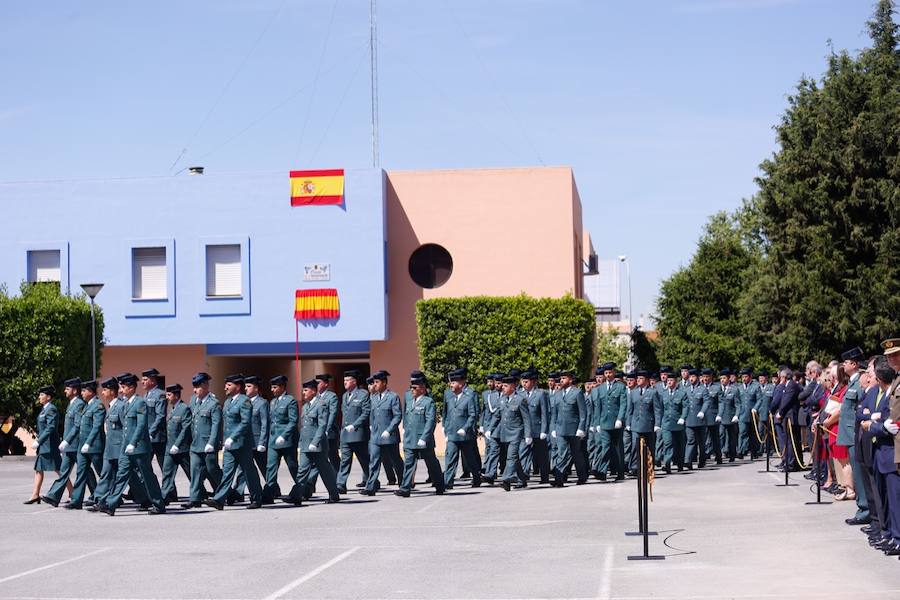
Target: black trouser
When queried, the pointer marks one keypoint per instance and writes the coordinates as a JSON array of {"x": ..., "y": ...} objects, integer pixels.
[
  {"x": 334, "y": 442},
  {"x": 873, "y": 495}
]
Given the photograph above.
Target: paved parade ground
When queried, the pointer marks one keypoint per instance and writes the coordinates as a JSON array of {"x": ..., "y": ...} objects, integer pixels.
[{"x": 726, "y": 533}]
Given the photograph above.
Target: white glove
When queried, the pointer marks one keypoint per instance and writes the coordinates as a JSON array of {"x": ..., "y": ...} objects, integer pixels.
[
  {"x": 488, "y": 433},
  {"x": 63, "y": 445},
  {"x": 313, "y": 448},
  {"x": 208, "y": 448},
  {"x": 553, "y": 434},
  {"x": 481, "y": 430},
  {"x": 228, "y": 442},
  {"x": 35, "y": 444},
  {"x": 618, "y": 424},
  {"x": 385, "y": 434},
  {"x": 734, "y": 419},
  {"x": 350, "y": 428},
  {"x": 753, "y": 410},
  {"x": 173, "y": 450},
  {"x": 718, "y": 419},
  {"x": 681, "y": 421},
  {"x": 421, "y": 443},
  {"x": 579, "y": 433},
  {"x": 460, "y": 431},
  {"x": 85, "y": 448},
  {"x": 891, "y": 426},
  {"x": 700, "y": 415},
  {"x": 529, "y": 441},
  {"x": 591, "y": 429},
  {"x": 279, "y": 440},
  {"x": 655, "y": 429},
  {"x": 129, "y": 449},
  {"x": 628, "y": 428},
  {"x": 260, "y": 448},
  {"x": 543, "y": 436}
]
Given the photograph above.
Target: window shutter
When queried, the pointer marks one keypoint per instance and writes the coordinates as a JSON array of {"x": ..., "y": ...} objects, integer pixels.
[
  {"x": 223, "y": 270},
  {"x": 43, "y": 265},
  {"x": 148, "y": 276}
]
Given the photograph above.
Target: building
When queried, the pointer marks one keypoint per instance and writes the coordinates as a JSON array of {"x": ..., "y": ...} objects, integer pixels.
[{"x": 200, "y": 272}]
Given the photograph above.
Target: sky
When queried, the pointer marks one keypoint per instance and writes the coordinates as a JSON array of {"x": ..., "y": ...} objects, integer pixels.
[{"x": 663, "y": 108}]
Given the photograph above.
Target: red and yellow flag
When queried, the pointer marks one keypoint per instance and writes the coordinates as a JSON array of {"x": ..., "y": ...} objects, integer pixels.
[
  {"x": 309, "y": 188},
  {"x": 316, "y": 304}
]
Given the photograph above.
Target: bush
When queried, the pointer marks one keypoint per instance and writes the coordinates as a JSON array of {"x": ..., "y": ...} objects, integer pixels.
[
  {"x": 45, "y": 338},
  {"x": 488, "y": 335}
]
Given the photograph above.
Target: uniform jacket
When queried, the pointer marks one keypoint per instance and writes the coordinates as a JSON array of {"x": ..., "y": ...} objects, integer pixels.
[
  {"x": 538, "y": 411},
  {"x": 765, "y": 395},
  {"x": 675, "y": 407},
  {"x": 156, "y": 414},
  {"x": 612, "y": 401},
  {"x": 775, "y": 401},
  {"x": 115, "y": 425},
  {"x": 283, "y": 417},
  {"x": 90, "y": 431},
  {"x": 729, "y": 402},
  {"x": 882, "y": 441},
  {"x": 178, "y": 426},
  {"x": 491, "y": 400},
  {"x": 715, "y": 391},
  {"x": 419, "y": 420},
  {"x": 571, "y": 412},
  {"x": 73, "y": 423},
  {"x": 459, "y": 412},
  {"x": 334, "y": 405},
  {"x": 847, "y": 421},
  {"x": 789, "y": 406},
  {"x": 206, "y": 423},
  {"x": 864, "y": 443},
  {"x": 136, "y": 431},
  {"x": 513, "y": 422},
  {"x": 646, "y": 410},
  {"x": 314, "y": 424},
  {"x": 698, "y": 401},
  {"x": 749, "y": 395},
  {"x": 48, "y": 430},
  {"x": 355, "y": 409},
  {"x": 236, "y": 416},
  {"x": 385, "y": 415},
  {"x": 259, "y": 421}
]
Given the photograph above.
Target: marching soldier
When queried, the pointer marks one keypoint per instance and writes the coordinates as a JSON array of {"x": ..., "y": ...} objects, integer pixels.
[
  {"x": 206, "y": 432},
  {"x": 314, "y": 421},
  {"x": 570, "y": 416},
  {"x": 610, "y": 423},
  {"x": 491, "y": 398},
  {"x": 536, "y": 453},
  {"x": 115, "y": 421},
  {"x": 283, "y": 418},
  {"x": 236, "y": 414},
  {"x": 460, "y": 412},
  {"x": 355, "y": 410},
  {"x": 156, "y": 413},
  {"x": 675, "y": 411},
  {"x": 646, "y": 417},
  {"x": 419, "y": 420},
  {"x": 593, "y": 400},
  {"x": 748, "y": 390},
  {"x": 46, "y": 445},
  {"x": 324, "y": 391},
  {"x": 259, "y": 425},
  {"x": 69, "y": 444},
  {"x": 136, "y": 455},
  {"x": 630, "y": 384},
  {"x": 91, "y": 439},
  {"x": 713, "y": 446},
  {"x": 178, "y": 433},
  {"x": 384, "y": 440},
  {"x": 698, "y": 404},
  {"x": 513, "y": 423},
  {"x": 729, "y": 404}
]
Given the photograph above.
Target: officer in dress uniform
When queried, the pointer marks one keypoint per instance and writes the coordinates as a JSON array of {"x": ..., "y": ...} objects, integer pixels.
[
  {"x": 259, "y": 425},
  {"x": 419, "y": 421},
  {"x": 592, "y": 401},
  {"x": 283, "y": 417},
  {"x": 646, "y": 416},
  {"x": 675, "y": 411},
  {"x": 630, "y": 380},
  {"x": 178, "y": 434},
  {"x": 355, "y": 410},
  {"x": 570, "y": 416},
  {"x": 46, "y": 444},
  {"x": 729, "y": 404},
  {"x": 460, "y": 414},
  {"x": 713, "y": 446},
  {"x": 384, "y": 428},
  {"x": 69, "y": 444},
  {"x": 852, "y": 361},
  {"x": 748, "y": 390},
  {"x": 553, "y": 398},
  {"x": 109, "y": 392},
  {"x": 136, "y": 455},
  {"x": 658, "y": 380},
  {"x": 91, "y": 439},
  {"x": 314, "y": 419},
  {"x": 156, "y": 413},
  {"x": 206, "y": 439},
  {"x": 610, "y": 424},
  {"x": 324, "y": 391},
  {"x": 698, "y": 404},
  {"x": 765, "y": 396},
  {"x": 491, "y": 398},
  {"x": 536, "y": 453},
  {"x": 236, "y": 415},
  {"x": 513, "y": 423}
]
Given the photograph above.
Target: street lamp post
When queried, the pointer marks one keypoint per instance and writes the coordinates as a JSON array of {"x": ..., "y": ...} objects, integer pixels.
[
  {"x": 624, "y": 259},
  {"x": 92, "y": 289}
]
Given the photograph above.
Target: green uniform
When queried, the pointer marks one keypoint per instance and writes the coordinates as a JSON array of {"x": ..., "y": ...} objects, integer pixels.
[
  {"x": 238, "y": 434},
  {"x": 178, "y": 454},
  {"x": 91, "y": 439},
  {"x": 206, "y": 439}
]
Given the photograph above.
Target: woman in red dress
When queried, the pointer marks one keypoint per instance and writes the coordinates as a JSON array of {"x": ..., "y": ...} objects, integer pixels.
[{"x": 840, "y": 454}]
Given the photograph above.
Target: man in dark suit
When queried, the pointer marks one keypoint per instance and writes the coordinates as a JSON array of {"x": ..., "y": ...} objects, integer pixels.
[
  {"x": 882, "y": 430},
  {"x": 809, "y": 402},
  {"x": 774, "y": 406},
  {"x": 865, "y": 448},
  {"x": 786, "y": 414}
]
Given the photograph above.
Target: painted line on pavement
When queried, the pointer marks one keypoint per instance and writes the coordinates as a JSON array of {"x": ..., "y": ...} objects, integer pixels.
[
  {"x": 51, "y": 566},
  {"x": 605, "y": 590},
  {"x": 300, "y": 581}
]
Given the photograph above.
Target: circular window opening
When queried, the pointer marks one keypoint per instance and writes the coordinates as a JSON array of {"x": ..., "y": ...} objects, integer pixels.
[{"x": 430, "y": 266}]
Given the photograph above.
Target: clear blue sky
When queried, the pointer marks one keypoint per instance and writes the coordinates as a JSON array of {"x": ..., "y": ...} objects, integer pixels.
[{"x": 664, "y": 109}]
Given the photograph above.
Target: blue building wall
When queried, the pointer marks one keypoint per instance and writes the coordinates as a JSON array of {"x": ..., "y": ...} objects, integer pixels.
[{"x": 95, "y": 224}]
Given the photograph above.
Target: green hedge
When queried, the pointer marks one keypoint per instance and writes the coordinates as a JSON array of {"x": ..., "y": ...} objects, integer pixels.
[
  {"x": 45, "y": 338},
  {"x": 486, "y": 335}
]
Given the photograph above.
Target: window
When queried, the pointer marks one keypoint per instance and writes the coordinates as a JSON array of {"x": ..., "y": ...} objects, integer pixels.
[
  {"x": 223, "y": 270},
  {"x": 149, "y": 279},
  {"x": 430, "y": 266},
  {"x": 43, "y": 265}
]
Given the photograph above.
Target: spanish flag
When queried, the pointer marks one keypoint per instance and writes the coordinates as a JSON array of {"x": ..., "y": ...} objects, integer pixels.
[
  {"x": 310, "y": 188},
  {"x": 316, "y": 304}
]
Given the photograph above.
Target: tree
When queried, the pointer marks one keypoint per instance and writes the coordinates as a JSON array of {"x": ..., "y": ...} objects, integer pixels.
[
  {"x": 698, "y": 319},
  {"x": 611, "y": 347},
  {"x": 827, "y": 214},
  {"x": 645, "y": 350},
  {"x": 45, "y": 338}
]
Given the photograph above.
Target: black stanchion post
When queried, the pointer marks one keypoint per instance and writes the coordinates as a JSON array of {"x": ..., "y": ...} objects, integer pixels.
[
  {"x": 644, "y": 493},
  {"x": 642, "y": 501},
  {"x": 817, "y": 465}
]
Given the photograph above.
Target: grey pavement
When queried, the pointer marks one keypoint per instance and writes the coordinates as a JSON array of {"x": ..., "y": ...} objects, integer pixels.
[{"x": 725, "y": 533}]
